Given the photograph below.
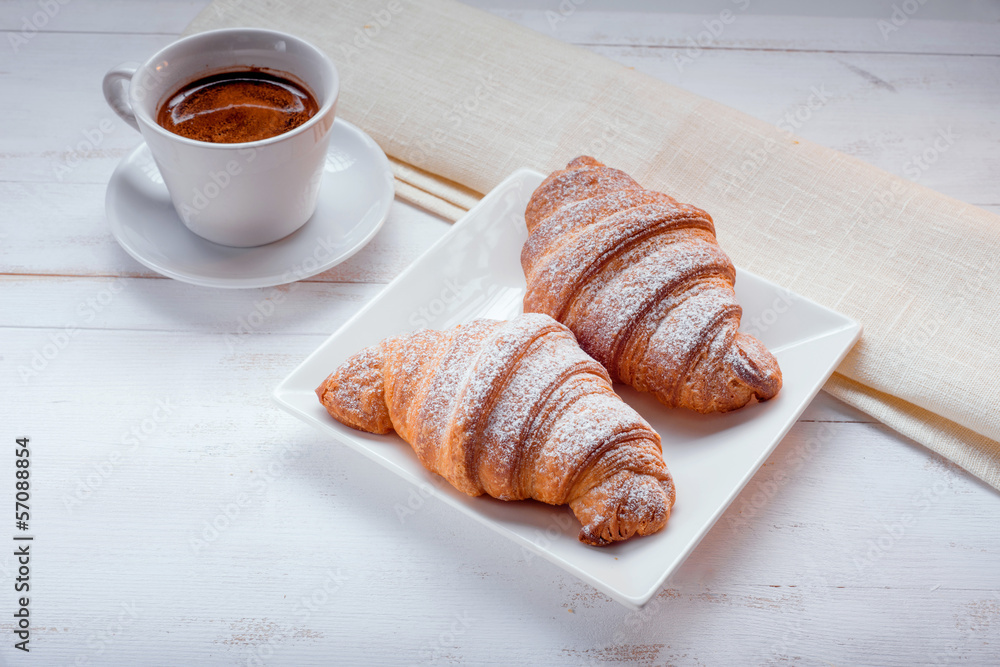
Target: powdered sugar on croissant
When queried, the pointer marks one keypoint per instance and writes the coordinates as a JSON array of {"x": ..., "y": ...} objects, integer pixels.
[
  {"x": 514, "y": 410},
  {"x": 642, "y": 282}
]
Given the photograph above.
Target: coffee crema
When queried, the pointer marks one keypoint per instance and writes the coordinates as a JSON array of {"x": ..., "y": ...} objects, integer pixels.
[{"x": 236, "y": 107}]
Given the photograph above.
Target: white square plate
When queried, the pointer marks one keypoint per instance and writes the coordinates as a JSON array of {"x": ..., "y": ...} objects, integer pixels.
[{"x": 475, "y": 271}]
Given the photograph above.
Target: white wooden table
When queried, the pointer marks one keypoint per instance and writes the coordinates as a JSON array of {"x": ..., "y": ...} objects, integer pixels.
[{"x": 180, "y": 518}]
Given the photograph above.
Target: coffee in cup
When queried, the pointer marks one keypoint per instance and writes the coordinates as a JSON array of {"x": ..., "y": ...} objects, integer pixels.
[{"x": 237, "y": 106}]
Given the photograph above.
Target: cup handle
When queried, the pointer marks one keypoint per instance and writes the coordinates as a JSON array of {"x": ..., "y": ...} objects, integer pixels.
[{"x": 117, "y": 94}]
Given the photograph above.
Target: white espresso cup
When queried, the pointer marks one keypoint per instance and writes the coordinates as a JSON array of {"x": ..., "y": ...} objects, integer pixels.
[{"x": 241, "y": 194}]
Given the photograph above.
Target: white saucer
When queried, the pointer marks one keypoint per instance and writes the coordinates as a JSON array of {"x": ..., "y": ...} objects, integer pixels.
[{"x": 354, "y": 201}]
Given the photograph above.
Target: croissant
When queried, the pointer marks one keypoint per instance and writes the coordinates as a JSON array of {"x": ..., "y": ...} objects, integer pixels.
[
  {"x": 641, "y": 280},
  {"x": 514, "y": 410}
]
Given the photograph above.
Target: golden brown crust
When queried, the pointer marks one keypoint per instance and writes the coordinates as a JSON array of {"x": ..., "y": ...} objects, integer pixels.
[
  {"x": 642, "y": 282},
  {"x": 515, "y": 410}
]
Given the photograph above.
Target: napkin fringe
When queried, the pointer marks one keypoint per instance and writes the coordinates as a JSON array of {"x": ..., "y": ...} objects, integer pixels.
[
  {"x": 427, "y": 201},
  {"x": 448, "y": 199}
]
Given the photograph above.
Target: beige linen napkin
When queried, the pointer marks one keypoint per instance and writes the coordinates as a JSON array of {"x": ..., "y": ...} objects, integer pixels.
[{"x": 459, "y": 99}]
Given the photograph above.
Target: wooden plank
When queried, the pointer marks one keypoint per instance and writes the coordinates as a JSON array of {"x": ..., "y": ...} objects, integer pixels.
[
  {"x": 746, "y": 27},
  {"x": 61, "y": 229},
  {"x": 167, "y": 17},
  {"x": 52, "y": 305},
  {"x": 744, "y": 30},
  {"x": 52, "y": 145},
  {"x": 924, "y": 119},
  {"x": 886, "y": 109}
]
